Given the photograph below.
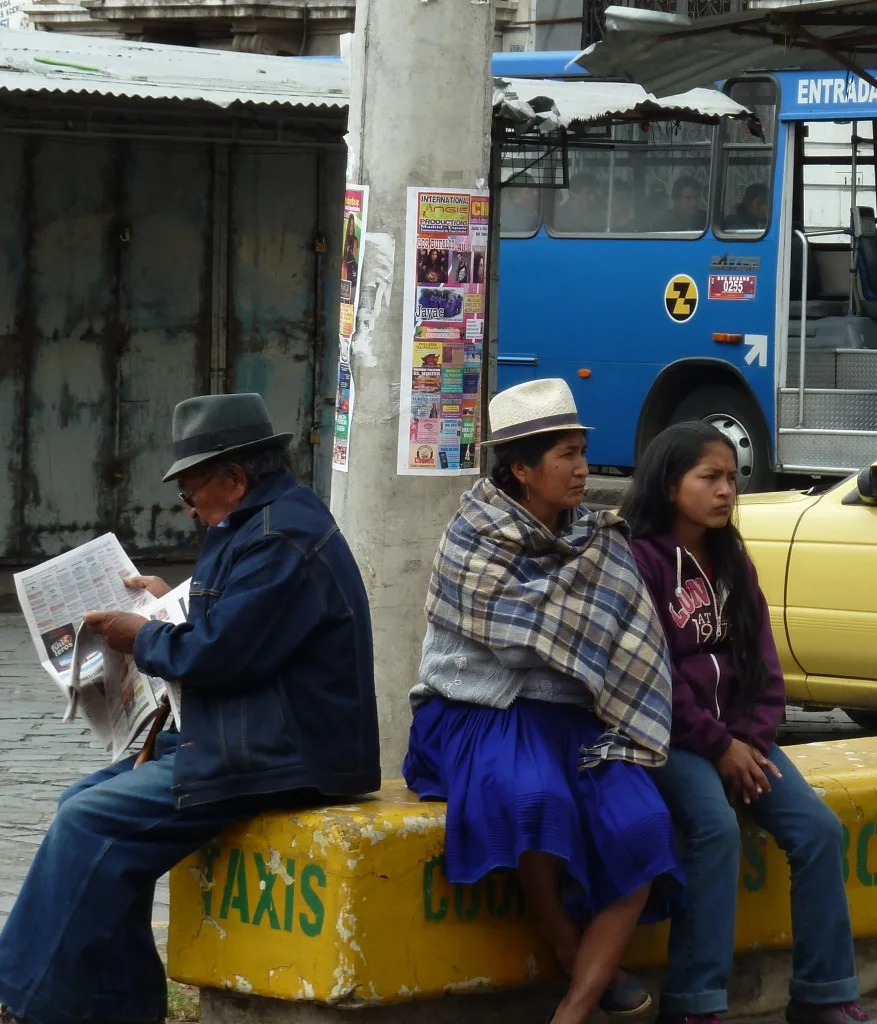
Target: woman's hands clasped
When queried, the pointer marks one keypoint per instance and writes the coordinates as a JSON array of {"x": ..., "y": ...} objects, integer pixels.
[{"x": 745, "y": 772}]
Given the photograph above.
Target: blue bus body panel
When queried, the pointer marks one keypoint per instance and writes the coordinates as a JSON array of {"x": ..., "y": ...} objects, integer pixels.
[
  {"x": 537, "y": 64},
  {"x": 600, "y": 307},
  {"x": 533, "y": 64}
]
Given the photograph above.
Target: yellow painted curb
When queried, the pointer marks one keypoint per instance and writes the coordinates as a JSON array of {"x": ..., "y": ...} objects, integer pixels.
[{"x": 350, "y": 905}]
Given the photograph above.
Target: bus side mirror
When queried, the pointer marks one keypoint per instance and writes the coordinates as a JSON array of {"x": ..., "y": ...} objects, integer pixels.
[{"x": 866, "y": 484}]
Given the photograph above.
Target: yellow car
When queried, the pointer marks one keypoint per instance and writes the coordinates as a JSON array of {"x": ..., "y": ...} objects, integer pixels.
[{"x": 816, "y": 556}]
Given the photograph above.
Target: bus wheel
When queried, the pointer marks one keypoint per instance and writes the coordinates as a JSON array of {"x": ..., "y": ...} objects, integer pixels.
[{"x": 737, "y": 416}]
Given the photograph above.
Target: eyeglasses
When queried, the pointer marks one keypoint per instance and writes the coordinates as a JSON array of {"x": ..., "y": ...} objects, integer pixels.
[{"x": 188, "y": 497}]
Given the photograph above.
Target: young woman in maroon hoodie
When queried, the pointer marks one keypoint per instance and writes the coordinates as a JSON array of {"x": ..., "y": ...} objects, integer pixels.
[{"x": 728, "y": 699}]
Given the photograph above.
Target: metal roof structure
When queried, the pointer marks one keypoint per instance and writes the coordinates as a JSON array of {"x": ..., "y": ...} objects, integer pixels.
[
  {"x": 547, "y": 105},
  {"x": 667, "y": 53},
  {"x": 50, "y": 63},
  {"x": 58, "y": 63}
]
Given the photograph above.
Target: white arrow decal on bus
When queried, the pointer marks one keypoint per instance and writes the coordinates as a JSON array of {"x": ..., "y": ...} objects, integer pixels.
[{"x": 757, "y": 344}]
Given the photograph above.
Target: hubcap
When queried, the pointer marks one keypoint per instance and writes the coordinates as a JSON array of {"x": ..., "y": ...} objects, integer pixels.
[{"x": 738, "y": 435}]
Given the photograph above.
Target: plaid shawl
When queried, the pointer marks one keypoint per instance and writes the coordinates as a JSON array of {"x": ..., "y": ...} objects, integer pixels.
[{"x": 504, "y": 579}]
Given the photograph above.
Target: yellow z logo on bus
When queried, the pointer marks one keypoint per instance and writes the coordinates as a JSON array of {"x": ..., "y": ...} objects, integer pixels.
[{"x": 680, "y": 298}]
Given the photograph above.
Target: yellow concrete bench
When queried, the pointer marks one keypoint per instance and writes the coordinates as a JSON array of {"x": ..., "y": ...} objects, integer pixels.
[{"x": 350, "y": 907}]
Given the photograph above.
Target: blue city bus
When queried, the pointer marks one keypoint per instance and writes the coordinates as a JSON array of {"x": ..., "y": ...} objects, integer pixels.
[{"x": 678, "y": 274}]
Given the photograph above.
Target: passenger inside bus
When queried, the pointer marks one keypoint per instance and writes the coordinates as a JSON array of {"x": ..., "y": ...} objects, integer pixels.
[
  {"x": 751, "y": 212},
  {"x": 688, "y": 212},
  {"x": 583, "y": 210}
]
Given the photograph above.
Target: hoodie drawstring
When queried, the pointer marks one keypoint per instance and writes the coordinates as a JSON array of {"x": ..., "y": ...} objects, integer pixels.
[{"x": 717, "y": 612}]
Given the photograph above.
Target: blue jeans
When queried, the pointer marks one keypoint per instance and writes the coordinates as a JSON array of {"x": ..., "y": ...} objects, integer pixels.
[
  {"x": 702, "y": 934},
  {"x": 78, "y": 945}
]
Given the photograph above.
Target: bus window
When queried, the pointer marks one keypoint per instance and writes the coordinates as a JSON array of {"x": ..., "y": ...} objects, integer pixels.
[
  {"x": 519, "y": 214},
  {"x": 746, "y": 164},
  {"x": 677, "y": 177},
  {"x": 650, "y": 179},
  {"x": 583, "y": 208},
  {"x": 520, "y": 207}
]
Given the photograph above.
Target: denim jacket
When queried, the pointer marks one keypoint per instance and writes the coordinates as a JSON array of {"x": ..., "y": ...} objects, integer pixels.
[{"x": 275, "y": 661}]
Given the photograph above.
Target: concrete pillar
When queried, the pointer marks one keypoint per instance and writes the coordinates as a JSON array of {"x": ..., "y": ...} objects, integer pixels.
[{"x": 420, "y": 110}]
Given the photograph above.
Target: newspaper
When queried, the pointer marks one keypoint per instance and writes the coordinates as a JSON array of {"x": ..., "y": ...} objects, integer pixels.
[
  {"x": 106, "y": 688},
  {"x": 174, "y": 608},
  {"x": 109, "y": 692}
]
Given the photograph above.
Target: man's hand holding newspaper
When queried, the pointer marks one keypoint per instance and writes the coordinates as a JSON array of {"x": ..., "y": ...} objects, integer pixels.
[
  {"x": 153, "y": 585},
  {"x": 84, "y": 610},
  {"x": 119, "y": 629}
]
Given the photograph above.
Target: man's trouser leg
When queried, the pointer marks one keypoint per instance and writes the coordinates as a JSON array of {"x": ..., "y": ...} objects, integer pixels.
[{"x": 78, "y": 945}]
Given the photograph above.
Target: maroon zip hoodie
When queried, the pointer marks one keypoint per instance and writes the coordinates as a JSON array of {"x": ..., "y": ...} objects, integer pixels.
[{"x": 704, "y": 679}]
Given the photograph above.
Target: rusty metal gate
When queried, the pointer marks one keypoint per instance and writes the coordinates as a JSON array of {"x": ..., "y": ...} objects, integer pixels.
[{"x": 134, "y": 274}]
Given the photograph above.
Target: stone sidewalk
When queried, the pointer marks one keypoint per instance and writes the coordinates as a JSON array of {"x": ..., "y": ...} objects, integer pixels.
[{"x": 40, "y": 757}]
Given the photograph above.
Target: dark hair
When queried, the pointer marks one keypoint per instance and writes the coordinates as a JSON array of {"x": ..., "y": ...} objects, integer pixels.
[
  {"x": 683, "y": 182},
  {"x": 757, "y": 190},
  {"x": 256, "y": 464},
  {"x": 648, "y": 510},
  {"x": 528, "y": 450}
]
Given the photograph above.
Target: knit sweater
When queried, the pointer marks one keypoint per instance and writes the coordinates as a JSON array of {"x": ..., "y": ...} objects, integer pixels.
[{"x": 459, "y": 669}]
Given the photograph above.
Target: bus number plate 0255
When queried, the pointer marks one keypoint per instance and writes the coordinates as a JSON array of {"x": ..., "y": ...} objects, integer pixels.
[{"x": 732, "y": 286}]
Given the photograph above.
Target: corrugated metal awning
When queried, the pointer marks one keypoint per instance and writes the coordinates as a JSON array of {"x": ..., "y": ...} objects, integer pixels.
[
  {"x": 548, "y": 105},
  {"x": 51, "y": 63},
  {"x": 667, "y": 53}
]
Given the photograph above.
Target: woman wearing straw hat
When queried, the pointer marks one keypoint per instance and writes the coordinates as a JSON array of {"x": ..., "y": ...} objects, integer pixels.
[{"x": 544, "y": 695}]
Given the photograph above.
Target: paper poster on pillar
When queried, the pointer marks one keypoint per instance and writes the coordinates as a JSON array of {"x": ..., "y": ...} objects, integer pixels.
[
  {"x": 355, "y": 214},
  {"x": 445, "y": 306}
]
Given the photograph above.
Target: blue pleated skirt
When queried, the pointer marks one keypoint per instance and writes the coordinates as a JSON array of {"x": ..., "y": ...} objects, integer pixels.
[{"x": 512, "y": 784}]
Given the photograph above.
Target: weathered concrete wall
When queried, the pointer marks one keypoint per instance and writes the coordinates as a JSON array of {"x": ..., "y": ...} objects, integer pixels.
[{"x": 145, "y": 273}]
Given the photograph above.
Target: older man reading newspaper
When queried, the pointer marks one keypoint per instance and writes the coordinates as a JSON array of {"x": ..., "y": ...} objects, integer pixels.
[{"x": 278, "y": 708}]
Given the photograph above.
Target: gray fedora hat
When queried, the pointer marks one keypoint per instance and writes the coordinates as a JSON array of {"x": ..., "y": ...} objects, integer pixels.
[{"x": 212, "y": 425}]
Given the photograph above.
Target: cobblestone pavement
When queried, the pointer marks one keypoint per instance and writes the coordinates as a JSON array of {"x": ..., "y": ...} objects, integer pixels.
[{"x": 40, "y": 757}]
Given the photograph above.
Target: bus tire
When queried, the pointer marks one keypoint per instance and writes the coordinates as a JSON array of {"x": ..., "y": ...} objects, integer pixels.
[{"x": 736, "y": 414}]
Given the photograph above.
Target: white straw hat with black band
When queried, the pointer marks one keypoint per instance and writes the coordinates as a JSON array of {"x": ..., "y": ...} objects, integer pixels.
[
  {"x": 535, "y": 407},
  {"x": 212, "y": 425}
]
